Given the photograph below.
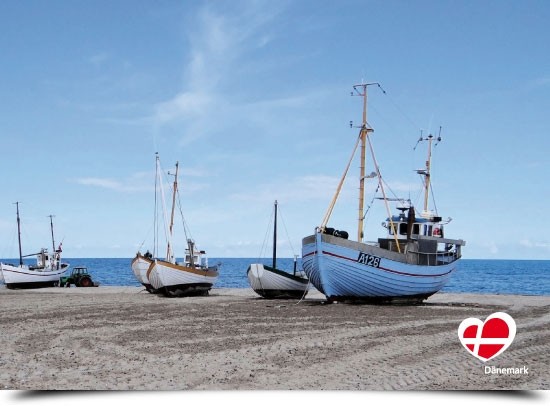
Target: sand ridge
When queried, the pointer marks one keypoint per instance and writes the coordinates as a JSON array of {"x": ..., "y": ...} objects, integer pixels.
[{"x": 123, "y": 338}]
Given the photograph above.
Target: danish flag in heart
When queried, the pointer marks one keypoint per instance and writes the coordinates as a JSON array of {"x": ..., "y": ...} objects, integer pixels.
[{"x": 489, "y": 339}]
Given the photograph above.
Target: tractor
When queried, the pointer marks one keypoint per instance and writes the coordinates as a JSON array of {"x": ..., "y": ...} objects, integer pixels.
[{"x": 79, "y": 277}]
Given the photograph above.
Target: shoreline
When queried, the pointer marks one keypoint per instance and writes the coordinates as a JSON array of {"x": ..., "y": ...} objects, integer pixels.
[
  {"x": 246, "y": 291},
  {"x": 123, "y": 338}
]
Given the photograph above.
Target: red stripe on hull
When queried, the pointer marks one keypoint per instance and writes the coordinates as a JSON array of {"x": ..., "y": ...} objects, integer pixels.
[{"x": 380, "y": 267}]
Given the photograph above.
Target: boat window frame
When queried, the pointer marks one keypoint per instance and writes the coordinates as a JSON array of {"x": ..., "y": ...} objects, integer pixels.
[{"x": 428, "y": 228}]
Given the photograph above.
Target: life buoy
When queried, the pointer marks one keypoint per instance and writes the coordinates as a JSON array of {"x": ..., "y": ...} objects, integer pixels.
[{"x": 436, "y": 232}]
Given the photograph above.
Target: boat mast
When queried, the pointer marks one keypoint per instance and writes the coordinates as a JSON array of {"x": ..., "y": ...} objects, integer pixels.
[
  {"x": 155, "y": 217},
  {"x": 19, "y": 235},
  {"x": 275, "y": 238},
  {"x": 361, "y": 90},
  {"x": 364, "y": 136},
  {"x": 51, "y": 216},
  {"x": 169, "y": 249},
  {"x": 427, "y": 172}
]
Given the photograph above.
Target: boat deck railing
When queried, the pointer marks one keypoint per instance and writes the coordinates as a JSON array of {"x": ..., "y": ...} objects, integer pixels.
[
  {"x": 424, "y": 250},
  {"x": 433, "y": 258}
]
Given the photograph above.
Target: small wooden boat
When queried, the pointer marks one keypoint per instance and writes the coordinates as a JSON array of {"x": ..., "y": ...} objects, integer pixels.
[
  {"x": 192, "y": 277},
  {"x": 140, "y": 265},
  {"x": 166, "y": 275},
  {"x": 272, "y": 283}
]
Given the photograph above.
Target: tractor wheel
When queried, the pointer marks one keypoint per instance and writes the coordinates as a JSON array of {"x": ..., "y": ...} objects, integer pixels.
[{"x": 85, "y": 282}]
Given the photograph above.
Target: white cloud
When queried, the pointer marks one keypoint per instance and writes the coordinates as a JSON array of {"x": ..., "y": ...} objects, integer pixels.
[
  {"x": 134, "y": 184},
  {"x": 184, "y": 105},
  {"x": 490, "y": 246},
  {"x": 541, "y": 82},
  {"x": 218, "y": 42},
  {"x": 144, "y": 182},
  {"x": 301, "y": 188},
  {"x": 534, "y": 244},
  {"x": 100, "y": 182},
  {"x": 99, "y": 58}
]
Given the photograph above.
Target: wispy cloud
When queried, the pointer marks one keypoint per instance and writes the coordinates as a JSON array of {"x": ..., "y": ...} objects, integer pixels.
[
  {"x": 535, "y": 244},
  {"x": 542, "y": 82},
  {"x": 136, "y": 182},
  {"x": 315, "y": 187},
  {"x": 190, "y": 104},
  {"x": 537, "y": 83},
  {"x": 301, "y": 188},
  {"x": 98, "y": 59},
  {"x": 491, "y": 247},
  {"x": 111, "y": 184},
  {"x": 219, "y": 41},
  {"x": 144, "y": 182}
]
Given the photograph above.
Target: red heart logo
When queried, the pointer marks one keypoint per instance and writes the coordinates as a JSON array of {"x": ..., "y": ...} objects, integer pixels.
[{"x": 489, "y": 339}]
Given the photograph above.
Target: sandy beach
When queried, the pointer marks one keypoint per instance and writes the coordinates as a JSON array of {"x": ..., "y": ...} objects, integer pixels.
[{"x": 123, "y": 338}]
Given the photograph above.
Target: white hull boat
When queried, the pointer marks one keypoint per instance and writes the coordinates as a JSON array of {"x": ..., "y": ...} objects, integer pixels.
[
  {"x": 46, "y": 272},
  {"x": 272, "y": 283},
  {"x": 191, "y": 277},
  {"x": 140, "y": 265},
  {"x": 21, "y": 277},
  {"x": 180, "y": 279},
  {"x": 412, "y": 262},
  {"x": 348, "y": 270}
]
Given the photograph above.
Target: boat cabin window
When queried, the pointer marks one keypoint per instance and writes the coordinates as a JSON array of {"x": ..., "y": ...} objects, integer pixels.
[
  {"x": 433, "y": 230},
  {"x": 195, "y": 259},
  {"x": 427, "y": 229},
  {"x": 402, "y": 228}
]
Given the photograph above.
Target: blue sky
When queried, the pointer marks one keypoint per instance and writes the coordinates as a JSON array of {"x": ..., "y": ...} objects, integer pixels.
[{"x": 253, "y": 99}]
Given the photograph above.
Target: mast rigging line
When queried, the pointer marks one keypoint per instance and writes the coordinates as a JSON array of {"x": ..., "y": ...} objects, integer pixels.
[
  {"x": 400, "y": 110},
  {"x": 186, "y": 229},
  {"x": 433, "y": 197},
  {"x": 263, "y": 248},
  {"x": 339, "y": 188},
  {"x": 370, "y": 204},
  {"x": 362, "y": 139},
  {"x": 287, "y": 234},
  {"x": 167, "y": 235},
  {"x": 380, "y": 182}
]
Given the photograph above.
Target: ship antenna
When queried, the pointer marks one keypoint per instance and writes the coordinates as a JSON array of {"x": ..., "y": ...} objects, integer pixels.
[
  {"x": 438, "y": 140},
  {"x": 426, "y": 172},
  {"x": 419, "y": 140}
]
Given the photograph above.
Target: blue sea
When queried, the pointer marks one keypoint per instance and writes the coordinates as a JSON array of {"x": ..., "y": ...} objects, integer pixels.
[{"x": 522, "y": 277}]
